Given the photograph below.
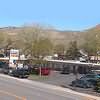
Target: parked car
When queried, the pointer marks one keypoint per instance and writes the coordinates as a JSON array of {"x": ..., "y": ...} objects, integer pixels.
[
  {"x": 91, "y": 76},
  {"x": 4, "y": 67},
  {"x": 44, "y": 70},
  {"x": 65, "y": 70},
  {"x": 84, "y": 83},
  {"x": 19, "y": 72},
  {"x": 5, "y": 70}
]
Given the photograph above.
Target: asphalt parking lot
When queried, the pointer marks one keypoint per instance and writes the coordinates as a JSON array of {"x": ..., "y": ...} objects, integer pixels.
[{"x": 63, "y": 80}]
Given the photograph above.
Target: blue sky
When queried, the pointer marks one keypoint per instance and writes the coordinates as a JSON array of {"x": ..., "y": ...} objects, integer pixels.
[{"x": 61, "y": 14}]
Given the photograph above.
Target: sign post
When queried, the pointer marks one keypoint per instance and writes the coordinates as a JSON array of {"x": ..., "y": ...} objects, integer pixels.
[{"x": 14, "y": 55}]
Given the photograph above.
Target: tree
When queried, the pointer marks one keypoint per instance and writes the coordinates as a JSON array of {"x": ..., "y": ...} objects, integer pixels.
[
  {"x": 2, "y": 39},
  {"x": 92, "y": 43},
  {"x": 72, "y": 52},
  {"x": 28, "y": 36},
  {"x": 59, "y": 49},
  {"x": 9, "y": 42},
  {"x": 42, "y": 47}
]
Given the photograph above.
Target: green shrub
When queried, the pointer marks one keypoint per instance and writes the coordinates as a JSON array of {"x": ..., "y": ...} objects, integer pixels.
[{"x": 97, "y": 88}]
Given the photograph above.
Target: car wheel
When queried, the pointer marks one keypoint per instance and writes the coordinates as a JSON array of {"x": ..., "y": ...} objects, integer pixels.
[
  {"x": 84, "y": 86},
  {"x": 20, "y": 76},
  {"x": 74, "y": 85},
  {"x": 97, "y": 90}
]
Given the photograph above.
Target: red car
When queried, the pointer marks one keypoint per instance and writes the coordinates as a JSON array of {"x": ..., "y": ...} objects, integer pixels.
[{"x": 44, "y": 71}]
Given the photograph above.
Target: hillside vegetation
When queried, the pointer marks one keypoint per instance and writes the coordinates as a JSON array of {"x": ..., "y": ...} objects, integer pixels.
[{"x": 30, "y": 38}]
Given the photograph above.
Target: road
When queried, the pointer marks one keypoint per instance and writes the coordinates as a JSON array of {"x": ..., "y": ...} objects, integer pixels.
[
  {"x": 64, "y": 80},
  {"x": 23, "y": 89}
]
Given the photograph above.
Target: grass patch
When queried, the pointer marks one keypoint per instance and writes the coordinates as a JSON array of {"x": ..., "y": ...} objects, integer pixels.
[{"x": 37, "y": 77}]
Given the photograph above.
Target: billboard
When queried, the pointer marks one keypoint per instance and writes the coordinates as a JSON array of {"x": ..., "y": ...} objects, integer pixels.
[{"x": 14, "y": 54}]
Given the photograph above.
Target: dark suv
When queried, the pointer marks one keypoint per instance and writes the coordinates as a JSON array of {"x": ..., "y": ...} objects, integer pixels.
[
  {"x": 91, "y": 76},
  {"x": 84, "y": 83},
  {"x": 19, "y": 72}
]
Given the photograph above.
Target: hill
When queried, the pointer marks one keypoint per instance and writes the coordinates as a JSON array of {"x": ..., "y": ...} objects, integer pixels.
[{"x": 58, "y": 37}]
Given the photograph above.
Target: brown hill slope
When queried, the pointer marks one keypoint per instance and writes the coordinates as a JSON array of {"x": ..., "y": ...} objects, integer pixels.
[{"x": 63, "y": 37}]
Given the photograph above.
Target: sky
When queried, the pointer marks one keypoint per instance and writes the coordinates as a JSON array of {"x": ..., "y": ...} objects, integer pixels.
[{"x": 60, "y": 14}]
